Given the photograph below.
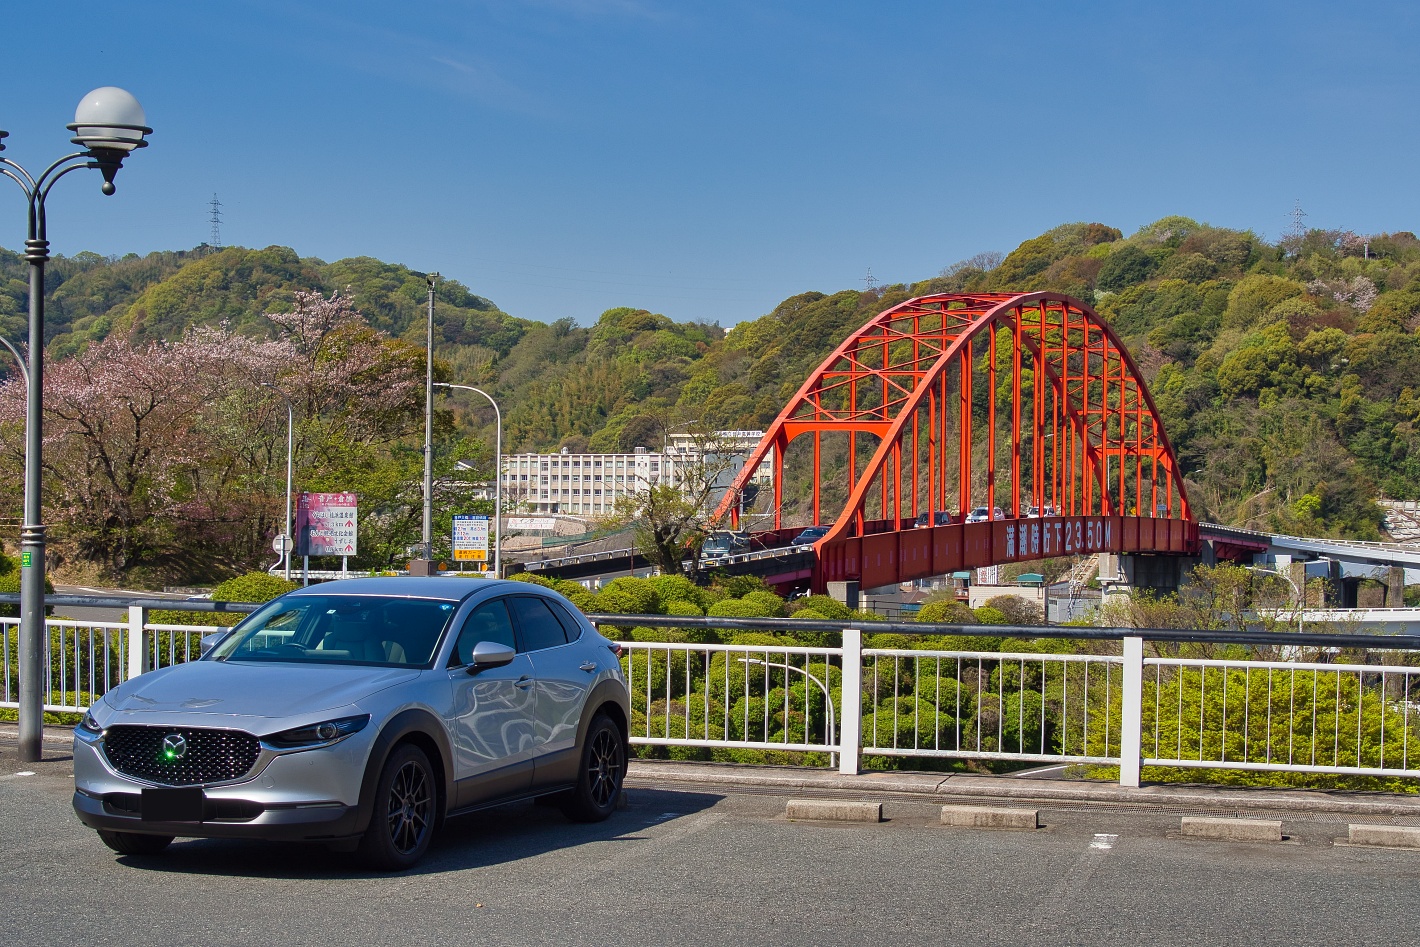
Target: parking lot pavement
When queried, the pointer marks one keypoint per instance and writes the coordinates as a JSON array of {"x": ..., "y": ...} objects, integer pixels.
[{"x": 705, "y": 867}]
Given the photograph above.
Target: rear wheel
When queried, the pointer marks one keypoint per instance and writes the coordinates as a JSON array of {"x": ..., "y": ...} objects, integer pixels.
[
  {"x": 134, "y": 843},
  {"x": 405, "y": 809},
  {"x": 600, "y": 774}
]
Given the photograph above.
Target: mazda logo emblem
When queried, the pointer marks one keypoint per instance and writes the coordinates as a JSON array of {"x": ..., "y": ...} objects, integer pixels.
[{"x": 174, "y": 746}]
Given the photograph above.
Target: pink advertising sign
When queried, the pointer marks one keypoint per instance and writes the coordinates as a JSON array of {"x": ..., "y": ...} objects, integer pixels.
[{"x": 327, "y": 524}]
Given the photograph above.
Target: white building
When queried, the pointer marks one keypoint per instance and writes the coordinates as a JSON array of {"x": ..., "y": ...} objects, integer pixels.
[{"x": 590, "y": 484}]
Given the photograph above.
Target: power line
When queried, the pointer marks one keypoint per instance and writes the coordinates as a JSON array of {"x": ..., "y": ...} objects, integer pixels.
[{"x": 216, "y": 220}]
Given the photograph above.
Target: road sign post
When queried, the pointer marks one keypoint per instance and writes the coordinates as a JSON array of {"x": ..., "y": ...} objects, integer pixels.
[
  {"x": 327, "y": 524},
  {"x": 470, "y": 539}
]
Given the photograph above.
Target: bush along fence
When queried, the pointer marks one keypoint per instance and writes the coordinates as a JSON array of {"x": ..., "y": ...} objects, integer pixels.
[{"x": 1228, "y": 706}]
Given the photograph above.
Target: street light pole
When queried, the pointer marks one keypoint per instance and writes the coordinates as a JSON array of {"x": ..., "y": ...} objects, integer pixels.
[
  {"x": 428, "y": 537},
  {"x": 108, "y": 124},
  {"x": 497, "y": 477},
  {"x": 827, "y": 699},
  {"x": 290, "y": 543},
  {"x": 1301, "y": 596}
]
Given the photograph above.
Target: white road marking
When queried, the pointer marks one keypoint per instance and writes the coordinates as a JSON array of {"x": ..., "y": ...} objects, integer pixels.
[{"x": 1101, "y": 840}]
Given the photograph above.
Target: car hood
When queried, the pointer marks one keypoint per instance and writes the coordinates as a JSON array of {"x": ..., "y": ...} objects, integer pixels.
[{"x": 250, "y": 690}]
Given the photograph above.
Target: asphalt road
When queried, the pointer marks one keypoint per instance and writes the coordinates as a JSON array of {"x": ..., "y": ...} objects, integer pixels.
[{"x": 704, "y": 868}]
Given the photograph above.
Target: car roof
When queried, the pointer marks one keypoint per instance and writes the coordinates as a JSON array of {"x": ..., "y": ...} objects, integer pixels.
[{"x": 447, "y": 588}]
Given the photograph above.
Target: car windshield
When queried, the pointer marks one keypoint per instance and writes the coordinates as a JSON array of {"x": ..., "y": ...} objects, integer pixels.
[{"x": 340, "y": 629}]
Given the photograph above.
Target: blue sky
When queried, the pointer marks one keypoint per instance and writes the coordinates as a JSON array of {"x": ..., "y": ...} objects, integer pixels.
[{"x": 706, "y": 160}]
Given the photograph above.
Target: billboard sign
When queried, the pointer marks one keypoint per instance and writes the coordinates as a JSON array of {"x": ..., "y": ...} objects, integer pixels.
[
  {"x": 470, "y": 537},
  {"x": 327, "y": 524}
]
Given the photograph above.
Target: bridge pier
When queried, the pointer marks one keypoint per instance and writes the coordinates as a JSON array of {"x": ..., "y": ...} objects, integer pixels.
[
  {"x": 845, "y": 593},
  {"x": 1120, "y": 574}
]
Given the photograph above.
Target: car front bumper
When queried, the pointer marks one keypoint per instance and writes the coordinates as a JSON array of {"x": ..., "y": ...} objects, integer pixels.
[{"x": 308, "y": 795}]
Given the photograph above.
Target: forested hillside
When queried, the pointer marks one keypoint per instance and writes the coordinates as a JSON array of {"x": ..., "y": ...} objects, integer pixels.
[{"x": 1285, "y": 372}]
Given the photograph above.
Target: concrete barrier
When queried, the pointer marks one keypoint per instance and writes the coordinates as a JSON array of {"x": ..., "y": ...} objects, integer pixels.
[
  {"x": 1387, "y": 836},
  {"x": 833, "y": 810},
  {"x": 1232, "y": 830},
  {"x": 991, "y": 817}
]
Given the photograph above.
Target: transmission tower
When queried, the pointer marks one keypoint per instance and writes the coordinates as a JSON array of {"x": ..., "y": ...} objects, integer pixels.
[
  {"x": 869, "y": 281},
  {"x": 1298, "y": 230},
  {"x": 216, "y": 220}
]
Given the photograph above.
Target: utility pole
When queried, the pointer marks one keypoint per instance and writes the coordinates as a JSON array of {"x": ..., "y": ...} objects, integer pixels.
[{"x": 428, "y": 538}]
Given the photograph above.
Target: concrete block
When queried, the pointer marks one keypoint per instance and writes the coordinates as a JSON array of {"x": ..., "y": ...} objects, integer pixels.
[
  {"x": 991, "y": 817},
  {"x": 1389, "y": 836},
  {"x": 834, "y": 810},
  {"x": 1232, "y": 830}
]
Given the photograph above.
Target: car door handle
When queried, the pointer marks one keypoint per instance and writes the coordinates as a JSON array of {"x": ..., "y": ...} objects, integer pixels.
[
  {"x": 523, "y": 681},
  {"x": 588, "y": 666}
]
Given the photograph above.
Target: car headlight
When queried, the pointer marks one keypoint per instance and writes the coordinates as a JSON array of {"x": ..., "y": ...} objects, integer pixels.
[
  {"x": 89, "y": 725},
  {"x": 318, "y": 734}
]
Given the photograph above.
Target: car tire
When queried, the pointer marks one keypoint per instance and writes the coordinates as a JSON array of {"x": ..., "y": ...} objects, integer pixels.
[
  {"x": 405, "y": 810},
  {"x": 599, "y": 773},
  {"x": 135, "y": 843}
]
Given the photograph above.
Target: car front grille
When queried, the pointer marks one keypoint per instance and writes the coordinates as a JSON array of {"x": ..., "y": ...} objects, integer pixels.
[{"x": 207, "y": 756}]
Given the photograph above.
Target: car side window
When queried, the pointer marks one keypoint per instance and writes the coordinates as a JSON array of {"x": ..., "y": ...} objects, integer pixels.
[
  {"x": 489, "y": 622},
  {"x": 537, "y": 626},
  {"x": 569, "y": 622}
]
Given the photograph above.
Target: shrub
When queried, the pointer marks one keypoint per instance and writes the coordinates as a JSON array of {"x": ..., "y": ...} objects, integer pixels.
[
  {"x": 628, "y": 596},
  {"x": 823, "y": 607},
  {"x": 677, "y": 588},
  {"x": 738, "y": 586},
  {"x": 769, "y": 604},
  {"x": 986, "y": 615},
  {"x": 1016, "y": 610},
  {"x": 252, "y": 587},
  {"x": 946, "y": 613}
]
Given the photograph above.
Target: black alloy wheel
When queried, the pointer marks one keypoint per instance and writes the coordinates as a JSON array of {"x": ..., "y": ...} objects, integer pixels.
[
  {"x": 600, "y": 776},
  {"x": 405, "y": 809}
]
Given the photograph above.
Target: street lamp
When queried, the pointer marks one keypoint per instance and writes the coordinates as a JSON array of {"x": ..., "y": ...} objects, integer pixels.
[
  {"x": 108, "y": 124},
  {"x": 497, "y": 477},
  {"x": 290, "y": 543},
  {"x": 1301, "y": 596},
  {"x": 832, "y": 721}
]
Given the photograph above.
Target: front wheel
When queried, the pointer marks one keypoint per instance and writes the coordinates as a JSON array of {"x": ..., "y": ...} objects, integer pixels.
[
  {"x": 135, "y": 843},
  {"x": 403, "y": 821},
  {"x": 600, "y": 774}
]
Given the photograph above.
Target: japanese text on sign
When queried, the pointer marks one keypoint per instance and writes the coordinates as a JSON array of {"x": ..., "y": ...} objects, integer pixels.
[{"x": 327, "y": 524}]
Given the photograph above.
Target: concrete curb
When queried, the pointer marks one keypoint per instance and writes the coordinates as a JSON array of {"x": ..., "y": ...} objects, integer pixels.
[
  {"x": 1041, "y": 791},
  {"x": 833, "y": 810},
  {"x": 1384, "y": 836},
  {"x": 1231, "y": 830},
  {"x": 990, "y": 817}
]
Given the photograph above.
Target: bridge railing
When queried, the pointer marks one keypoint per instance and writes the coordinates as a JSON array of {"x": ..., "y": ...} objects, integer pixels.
[
  {"x": 1345, "y": 704},
  {"x": 1106, "y": 703}
]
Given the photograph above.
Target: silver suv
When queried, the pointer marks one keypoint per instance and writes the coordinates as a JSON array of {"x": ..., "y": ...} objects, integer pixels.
[{"x": 360, "y": 714}]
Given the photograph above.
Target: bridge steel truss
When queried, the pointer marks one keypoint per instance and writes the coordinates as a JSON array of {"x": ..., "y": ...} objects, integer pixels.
[{"x": 955, "y": 401}]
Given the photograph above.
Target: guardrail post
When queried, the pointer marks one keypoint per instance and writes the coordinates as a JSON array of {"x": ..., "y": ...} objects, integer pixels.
[
  {"x": 1131, "y": 713},
  {"x": 137, "y": 640},
  {"x": 850, "y": 720}
]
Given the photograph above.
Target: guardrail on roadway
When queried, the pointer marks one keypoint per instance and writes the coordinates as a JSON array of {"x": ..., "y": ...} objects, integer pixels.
[{"x": 1035, "y": 703}]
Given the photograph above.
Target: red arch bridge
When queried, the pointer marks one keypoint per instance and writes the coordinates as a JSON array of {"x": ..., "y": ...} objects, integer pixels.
[{"x": 1022, "y": 411}]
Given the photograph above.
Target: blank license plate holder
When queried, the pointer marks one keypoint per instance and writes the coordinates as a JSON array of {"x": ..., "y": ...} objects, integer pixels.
[{"x": 175, "y": 804}]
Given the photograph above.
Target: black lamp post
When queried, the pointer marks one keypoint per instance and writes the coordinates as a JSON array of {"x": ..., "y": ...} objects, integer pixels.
[{"x": 108, "y": 124}]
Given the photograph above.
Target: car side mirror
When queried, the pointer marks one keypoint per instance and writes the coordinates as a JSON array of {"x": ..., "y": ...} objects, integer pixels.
[
  {"x": 209, "y": 641},
  {"x": 490, "y": 654}
]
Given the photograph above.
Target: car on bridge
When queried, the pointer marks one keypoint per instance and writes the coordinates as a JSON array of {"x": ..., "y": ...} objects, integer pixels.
[
  {"x": 811, "y": 535},
  {"x": 725, "y": 542},
  {"x": 361, "y": 713},
  {"x": 981, "y": 514},
  {"x": 940, "y": 518}
]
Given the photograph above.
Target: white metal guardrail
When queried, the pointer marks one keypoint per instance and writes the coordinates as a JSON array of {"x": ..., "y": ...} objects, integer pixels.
[{"x": 846, "y": 702}]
